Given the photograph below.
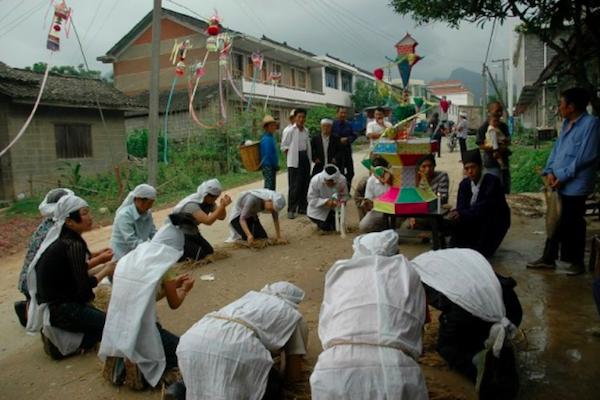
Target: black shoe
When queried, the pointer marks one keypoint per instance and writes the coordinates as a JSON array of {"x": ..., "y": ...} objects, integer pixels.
[
  {"x": 175, "y": 391},
  {"x": 51, "y": 349},
  {"x": 21, "y": 311},
  {"x": 301, "y": 212},
  {"x": 541, "y": 264}
]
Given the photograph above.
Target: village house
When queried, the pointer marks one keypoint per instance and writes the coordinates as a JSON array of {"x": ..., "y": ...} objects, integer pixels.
[
  {"x": 306, "y": 80},
  {"x": 67, "y": 128}
]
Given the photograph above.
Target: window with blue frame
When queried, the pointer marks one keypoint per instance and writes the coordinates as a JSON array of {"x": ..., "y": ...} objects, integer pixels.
[{"x": 331, "y": 76}]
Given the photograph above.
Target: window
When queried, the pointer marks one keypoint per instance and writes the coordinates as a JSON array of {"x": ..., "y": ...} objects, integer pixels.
[
  {"x": 301, "y": 78},
  {"x": 238, "y": 65},
  {"x": 346, "y": 82},
  {"x": 292, "y": 77},
  {"x": 331, "y": 78},
  {"x": 73, "y": 140}
]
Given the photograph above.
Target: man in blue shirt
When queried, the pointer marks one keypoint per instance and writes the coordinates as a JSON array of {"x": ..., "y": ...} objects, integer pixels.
[
  {"x": 133, "y": 222},
  {"x": 343, "y": 130},
  {"x": 269, "y": 161},
  {"x": 571, "y": 169}
]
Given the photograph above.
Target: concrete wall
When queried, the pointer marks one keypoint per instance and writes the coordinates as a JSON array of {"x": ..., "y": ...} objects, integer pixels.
[
  {"x": 34, "y": 163},
  {"x": 6, "y": 190}
]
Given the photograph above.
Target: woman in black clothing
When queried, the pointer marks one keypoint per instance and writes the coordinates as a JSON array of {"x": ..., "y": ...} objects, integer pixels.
[{"x": 64, "y": 272}]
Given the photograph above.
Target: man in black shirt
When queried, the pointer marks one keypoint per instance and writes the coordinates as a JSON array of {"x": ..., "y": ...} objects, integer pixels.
[
  {"x": 491, "y": 165},
  {"x": 66, "y": 274}
]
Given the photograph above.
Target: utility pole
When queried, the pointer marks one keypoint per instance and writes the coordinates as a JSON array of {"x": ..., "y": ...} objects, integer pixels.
[
  {"x": 153, "y": 120},
  {"x": 504, "y": 83},
  {"x": 485, "y": 93}
]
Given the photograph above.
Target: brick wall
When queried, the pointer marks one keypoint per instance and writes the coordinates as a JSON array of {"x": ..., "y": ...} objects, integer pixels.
[{"x": 34, "y": 164}]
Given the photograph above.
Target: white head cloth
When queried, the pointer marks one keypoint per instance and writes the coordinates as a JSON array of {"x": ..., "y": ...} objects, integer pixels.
[
  {"x": 376, "y": 244},
  {"x": 211, "y": 186},
  {"x": 39, "y": 315},
  {"x": 47, "y": 209},
  {"x": 467, "y": 279},
  {"x": 324, "y": 175},
  {"x": 326, "y": 121},
  {"x": 142, "y": 191},
  {"x": 264, "y": 194},
  {"x": 285, "y": 290}
]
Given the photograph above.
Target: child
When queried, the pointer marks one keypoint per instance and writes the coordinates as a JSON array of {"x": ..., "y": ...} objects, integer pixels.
[{"x": 494, "y": 137}]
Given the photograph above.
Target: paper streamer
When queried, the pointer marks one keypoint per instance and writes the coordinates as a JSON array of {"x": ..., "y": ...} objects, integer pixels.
[
  {"x": 28, "y": 121},
  {"x": 167, "y": 119}
]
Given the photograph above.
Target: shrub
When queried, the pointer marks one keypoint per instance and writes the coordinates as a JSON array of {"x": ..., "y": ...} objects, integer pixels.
[{"x": 526, "y": 164}]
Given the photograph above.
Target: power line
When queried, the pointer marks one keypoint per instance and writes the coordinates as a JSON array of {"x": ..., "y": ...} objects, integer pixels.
[
  {"x": 93, "y": 20},
  {"x": 188, "y": 9},
  {"x": 21, "y": 18},
  {"x": 19, "y": 4},
  {"x": 487, "y": 53},
  {"x": 362, "y": 22}
]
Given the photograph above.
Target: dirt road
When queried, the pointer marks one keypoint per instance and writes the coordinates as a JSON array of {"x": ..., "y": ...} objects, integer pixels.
[{"x": 561, "y": 361}]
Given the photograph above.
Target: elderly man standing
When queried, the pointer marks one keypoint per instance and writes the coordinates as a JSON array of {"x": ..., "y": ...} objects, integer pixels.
[
  {"x": 133, "y": 222},
  {"x": 326, "y": 149},
  {"x": 571, "y": 169},
  {"x": 343, "y": 130},
  {"x": 296, "y": 146}
]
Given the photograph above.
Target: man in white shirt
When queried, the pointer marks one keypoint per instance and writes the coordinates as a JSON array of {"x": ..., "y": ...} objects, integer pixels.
[
  {"x": 327, "y": 190},
  {"x": 375, "y": 128},
  {"x": 377, "y": 185},
  {"x": 462, "y": 131},
  {"x": 296, "y": 145}
]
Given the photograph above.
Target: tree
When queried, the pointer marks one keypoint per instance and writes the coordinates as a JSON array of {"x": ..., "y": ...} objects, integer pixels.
[
  {"x": 69, "y": 70},
  {"x": 366, "y": 95},
  {"x": 569, "y": 27}
]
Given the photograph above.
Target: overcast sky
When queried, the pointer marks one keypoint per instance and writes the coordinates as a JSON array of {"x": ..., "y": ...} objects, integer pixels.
[{"x": 362, "y": 32}]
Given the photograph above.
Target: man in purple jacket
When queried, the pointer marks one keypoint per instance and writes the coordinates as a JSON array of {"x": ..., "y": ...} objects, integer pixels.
[{"x": 343, "y": 130}]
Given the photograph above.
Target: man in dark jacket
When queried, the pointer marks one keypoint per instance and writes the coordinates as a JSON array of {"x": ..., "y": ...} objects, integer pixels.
[
  {"x": 326, "y": 148},
  {"x": 482, "y": 216},
  {"x": 343, "y": 130}
]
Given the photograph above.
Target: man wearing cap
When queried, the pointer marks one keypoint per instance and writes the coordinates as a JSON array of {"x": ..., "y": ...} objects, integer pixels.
[
  {"x": 482, "y": 216},
  {"x": 343, "y": 130},
  {"x": 269, "y": 161},
  {"x": 327, "y": 189},
  {"x": 326, "y": 148},
  {"x": 296, "y": 145},
  {"x": 462, "y": 129},
  {"x": 133, "y": 222}
]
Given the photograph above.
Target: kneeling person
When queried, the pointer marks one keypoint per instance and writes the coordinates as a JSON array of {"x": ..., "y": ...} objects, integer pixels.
[
  {"x": 228, "y": 353},
  {"x": 132, "y": 332},
  {"x": 377, "y": 185},
  {"x": 244, "y": 222},
  {"x": 326, "y": 191},
  {"x": 60, "y": 281},
  {"x": 133, "y": 222},
  {"x": 202, "y": 205},
  {"x": 370, "y": 326}
]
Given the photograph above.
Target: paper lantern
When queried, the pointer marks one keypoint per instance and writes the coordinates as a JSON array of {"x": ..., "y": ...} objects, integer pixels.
[{"x": 378, "y": 73}]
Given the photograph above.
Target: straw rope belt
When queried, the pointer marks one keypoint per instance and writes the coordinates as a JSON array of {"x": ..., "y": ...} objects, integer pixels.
[
  {"x": 339, "y": 342},
  {"x": 235, "y": 320}
]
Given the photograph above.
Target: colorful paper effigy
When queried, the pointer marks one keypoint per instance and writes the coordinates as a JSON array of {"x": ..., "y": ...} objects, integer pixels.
[{"x": 405, "y": 197}]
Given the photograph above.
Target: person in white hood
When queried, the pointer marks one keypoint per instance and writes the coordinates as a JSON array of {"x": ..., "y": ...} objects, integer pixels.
[
  {"x": 370, "y": 326},
  {"x": 228, "y": 353},
  {"x": 479, "y": 315},
  {"x": 326, "y": 191},
  {"x": 46, "y": 207}
]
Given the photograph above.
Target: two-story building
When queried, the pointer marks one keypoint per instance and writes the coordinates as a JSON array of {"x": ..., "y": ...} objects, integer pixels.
[
  {"x": 455, "y": 92},
  {"x": 306, "y": 79}
]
